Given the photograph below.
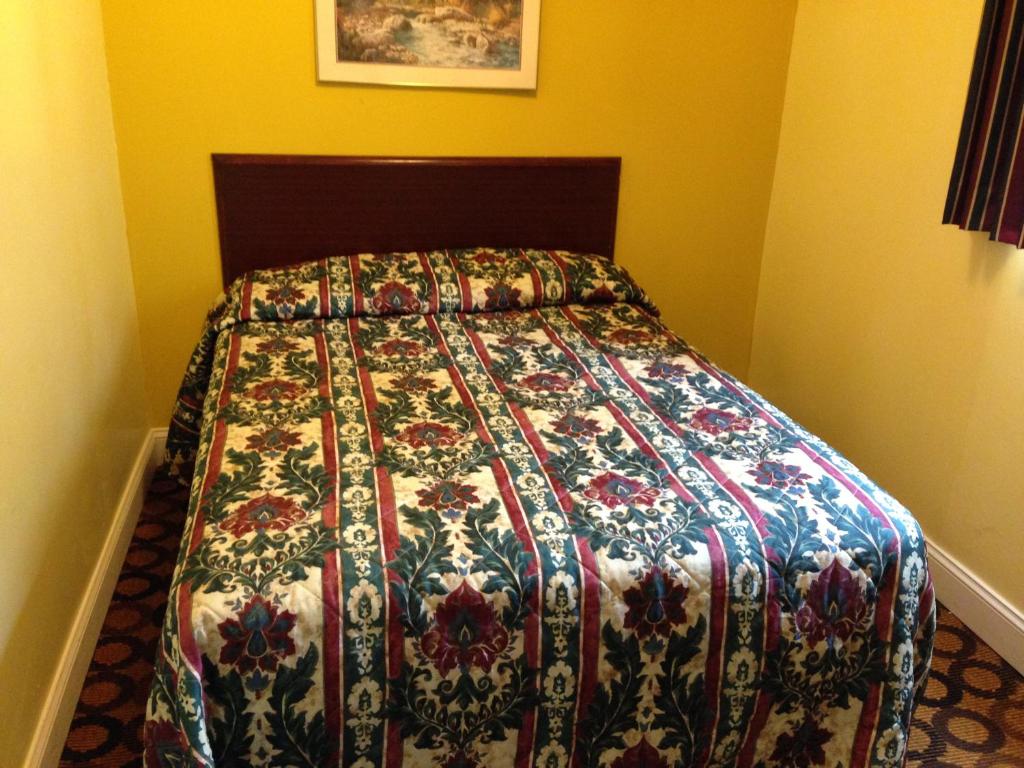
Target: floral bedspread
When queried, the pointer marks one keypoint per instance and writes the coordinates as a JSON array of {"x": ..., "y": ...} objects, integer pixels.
[{"x": 480, "y": 508}]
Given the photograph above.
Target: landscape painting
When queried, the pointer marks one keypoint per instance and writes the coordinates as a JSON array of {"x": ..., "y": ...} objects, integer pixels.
[{"x": 455, "y": 43}]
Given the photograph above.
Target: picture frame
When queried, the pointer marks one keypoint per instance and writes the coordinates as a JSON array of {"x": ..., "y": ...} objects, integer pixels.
[{"x": 432, "y": 43}]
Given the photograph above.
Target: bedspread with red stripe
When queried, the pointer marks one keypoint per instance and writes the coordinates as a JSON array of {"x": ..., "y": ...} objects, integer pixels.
[{"x": 481, "y": 508}]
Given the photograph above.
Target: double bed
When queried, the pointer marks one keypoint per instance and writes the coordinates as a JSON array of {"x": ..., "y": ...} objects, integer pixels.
[{"x": 456, "y": 503}]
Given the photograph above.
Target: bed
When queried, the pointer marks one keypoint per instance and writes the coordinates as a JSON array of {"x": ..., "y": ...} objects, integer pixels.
[{"x": 462, "y": 500}]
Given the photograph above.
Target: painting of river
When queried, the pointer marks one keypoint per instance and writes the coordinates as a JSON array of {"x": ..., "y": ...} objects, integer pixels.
[{"x": 457, "y": 34}]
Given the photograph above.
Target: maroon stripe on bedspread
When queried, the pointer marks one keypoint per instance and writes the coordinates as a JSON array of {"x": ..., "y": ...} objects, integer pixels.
[
  {"x": 535, "y": 280},
  {"x": 330, "y": 587},
  {"x": 564, "y": 498},
  {"x": 388, "y": 523},
  {"x": 716, "y": 551},
  {"x": 716, "y": 638},
  {"x": 529, "y": 432},
  {"x": 772, "y": 628},
  {"x": 884, "y": 611},
  {"x": 755, "y": 516},
  {"x": 590, "y": 642},
  {"x": 617, "y": 413},
  {"x": 246, "y": 313},
  {"x": 523, "y": 533},
  {"x": 761, "y": 711},
  {"x": 771, "y": 619},
  {"x": 885, "y": 607}
]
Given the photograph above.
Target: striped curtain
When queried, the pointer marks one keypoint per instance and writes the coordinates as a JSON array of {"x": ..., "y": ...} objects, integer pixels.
[{"x": 986, "y": 191}]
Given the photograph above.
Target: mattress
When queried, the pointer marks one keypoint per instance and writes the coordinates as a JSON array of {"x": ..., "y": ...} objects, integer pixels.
[{"x": 480, "y": 507}]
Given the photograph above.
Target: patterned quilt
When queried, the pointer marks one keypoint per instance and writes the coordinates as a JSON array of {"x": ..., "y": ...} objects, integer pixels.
[{"x": 481, "y": 508}]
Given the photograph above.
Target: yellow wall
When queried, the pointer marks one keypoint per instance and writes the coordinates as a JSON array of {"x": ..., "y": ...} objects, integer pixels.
[
  {"x": 898, "y": 339},
  {"x": 72, "y": 407},
  {"x": 689, "y": 94}
]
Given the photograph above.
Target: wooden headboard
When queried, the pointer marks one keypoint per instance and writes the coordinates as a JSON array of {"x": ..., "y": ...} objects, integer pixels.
[{"x": 275, "y": 210}]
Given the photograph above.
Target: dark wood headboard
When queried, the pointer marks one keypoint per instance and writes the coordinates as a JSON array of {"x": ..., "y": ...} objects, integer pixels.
[{"x": 275, "y": 210}]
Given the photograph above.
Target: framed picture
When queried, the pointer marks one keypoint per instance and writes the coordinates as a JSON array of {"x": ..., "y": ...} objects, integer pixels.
[{"x": 441, "y": 43}]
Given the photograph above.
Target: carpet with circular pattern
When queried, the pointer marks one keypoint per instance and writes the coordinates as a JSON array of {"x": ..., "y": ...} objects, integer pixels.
[{"x": 972, "y": 714}]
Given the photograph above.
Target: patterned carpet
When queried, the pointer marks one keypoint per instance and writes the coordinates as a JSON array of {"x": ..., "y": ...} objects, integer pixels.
[
  {"x": 973, "y": 710},
  {"x": 973, "y": 714}
]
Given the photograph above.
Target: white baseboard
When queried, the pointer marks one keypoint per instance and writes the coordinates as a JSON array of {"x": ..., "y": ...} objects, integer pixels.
[
  {"x": 989, "y": 615},
  {"x": 62, "y": 697}
]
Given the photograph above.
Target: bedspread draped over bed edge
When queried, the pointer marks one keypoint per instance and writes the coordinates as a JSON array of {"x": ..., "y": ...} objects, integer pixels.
[{"x": 481, "y": 508}]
